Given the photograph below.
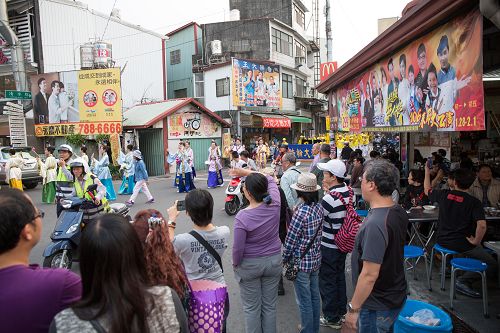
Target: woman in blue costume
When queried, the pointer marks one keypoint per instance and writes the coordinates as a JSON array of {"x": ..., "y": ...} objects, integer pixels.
[
  {"x": 127, "y": 165},
  {"x": 190, "y": 154},
  {"x": 183, "y": 178},
  {"x": 214, "y": 166},
  {"x": 101, "y": 170}
]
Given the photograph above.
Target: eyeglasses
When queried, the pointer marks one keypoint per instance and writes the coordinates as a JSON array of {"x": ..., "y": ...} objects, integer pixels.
[{"x": 41, "y": 214}]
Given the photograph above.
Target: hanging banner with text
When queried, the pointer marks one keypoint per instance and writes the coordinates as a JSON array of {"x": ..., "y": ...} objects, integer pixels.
[
  {"x": 433, "y": 84},
  {"x": 256, "y": 84},
  {"x": 86, "y": 102}
]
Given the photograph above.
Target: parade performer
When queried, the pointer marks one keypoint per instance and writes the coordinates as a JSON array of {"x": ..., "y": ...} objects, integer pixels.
[
  {"x": 127, "y": 165},
  {"x": 190, "y": 153},
  {"x": 214, "y": 166},
  {"x": 141, "y": 179},
  {"x": 13, "y": 170},
  {"x": 238, "y": 147},
  {"x": 263, "y": 152},
  {"x": 101, "y": 169},
  {"x": 48, "y": 171},
  {"x": 183, "y": 179},
  {"x": 277, "y": 162}
]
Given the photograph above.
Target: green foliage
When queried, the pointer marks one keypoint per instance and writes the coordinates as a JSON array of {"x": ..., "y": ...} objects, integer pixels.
[
  {"x": 100, "y": 138},
  {"x": 75, "y": 140}
]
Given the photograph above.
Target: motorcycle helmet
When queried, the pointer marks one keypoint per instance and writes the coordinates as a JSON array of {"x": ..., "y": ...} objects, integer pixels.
[
  {"x": 77, "y": 164},
  {"x": 66, "y": 148}
]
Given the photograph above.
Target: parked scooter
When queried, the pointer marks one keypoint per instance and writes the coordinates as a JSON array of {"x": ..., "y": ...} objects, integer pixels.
[
  {"x": 234, "y": 197},
  {"x": 67, "y": 232}
]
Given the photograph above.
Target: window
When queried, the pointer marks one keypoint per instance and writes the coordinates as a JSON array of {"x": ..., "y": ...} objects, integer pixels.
[
  {"x": 282, "y": 42},
  {"x": 300, "y": 17},
  {"x": 287, "y": 86},
  {"x": 180, "y": 93},
  {"x": 175, "y": 57},
  {"x": 300, "y": 50},
  {"x": 222, "y": 87},
  {"x": 199, "y": 89},
  {"x": 300, "y": 87}
]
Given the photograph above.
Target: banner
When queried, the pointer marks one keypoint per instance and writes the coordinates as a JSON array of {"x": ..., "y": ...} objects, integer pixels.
[
  {"x": 194, "y": 124},
  {"x": 256, "y": 84},
  {"x": 433, "y": 84},
  {"x": 84, "y": 102},
  {"x": 303, "y": 152}
]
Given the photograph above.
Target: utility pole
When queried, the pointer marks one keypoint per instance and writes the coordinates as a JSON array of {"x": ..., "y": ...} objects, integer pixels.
[
  {"x": 17, "y": 54},
  {"x": 329, "y": 39}
]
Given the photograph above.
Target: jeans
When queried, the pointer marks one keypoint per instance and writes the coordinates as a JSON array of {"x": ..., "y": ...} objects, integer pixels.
[
  {"x": 258, "y": 279},
  {"x": 307, "y": 297},
  {"x": 371, "y": 321},
  {"x": 332, "y": 283},
  {"x": 480, "y": 254}
]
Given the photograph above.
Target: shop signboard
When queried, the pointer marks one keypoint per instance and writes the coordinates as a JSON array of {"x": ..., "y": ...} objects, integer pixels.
[
  {"x": 86, "y": 102},
  {"x": 192, "y": 124},
  {"x": 271, "y": 122},
  {"x": 256, "y": 84},
  {"x": 327, "y": 68},
  {"x": 432, "y": 84}
]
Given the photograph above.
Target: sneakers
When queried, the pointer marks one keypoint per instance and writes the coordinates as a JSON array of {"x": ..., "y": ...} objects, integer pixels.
[
  {"x": 464, "y": 289},
  {"x": 129, "y": 203},
  {"x": 151, "y": 201},
  {"x": 323, "y": 321}
]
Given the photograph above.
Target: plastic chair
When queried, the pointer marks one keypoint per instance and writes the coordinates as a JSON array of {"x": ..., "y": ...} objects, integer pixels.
[
  {"x": 415, "y": 252},
  {"x": 444, "y": 254},
  {"x": 469, "y": 265}
]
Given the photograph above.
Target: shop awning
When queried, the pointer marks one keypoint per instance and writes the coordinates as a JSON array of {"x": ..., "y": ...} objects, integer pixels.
[
  {"x": 297, "y": 119},
  {"x": 275, "y": 121}
]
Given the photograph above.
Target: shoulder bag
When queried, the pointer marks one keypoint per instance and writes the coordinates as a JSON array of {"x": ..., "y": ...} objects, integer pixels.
[{"x": 291, "y": 267}]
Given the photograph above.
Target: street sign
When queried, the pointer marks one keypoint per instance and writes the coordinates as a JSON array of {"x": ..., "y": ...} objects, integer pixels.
[
  {"x": 16, "y": 94},
  {"x": 17, "y": 123}
]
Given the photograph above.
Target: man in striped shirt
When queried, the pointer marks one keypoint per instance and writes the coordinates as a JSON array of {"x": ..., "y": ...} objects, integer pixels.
[{"x": 332, "y": 283}]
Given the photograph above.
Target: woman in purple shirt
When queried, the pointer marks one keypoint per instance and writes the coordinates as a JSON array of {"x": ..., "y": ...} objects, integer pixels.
[{"x": 257, "y": 251}]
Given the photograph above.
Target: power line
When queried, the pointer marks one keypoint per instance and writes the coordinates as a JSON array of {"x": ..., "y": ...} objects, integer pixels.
[
  {"x": 109, "y": 18},
  {"x": 196, "y": 40}
]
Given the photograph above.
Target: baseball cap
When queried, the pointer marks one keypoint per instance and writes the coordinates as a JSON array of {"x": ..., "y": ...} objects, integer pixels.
[{"x": 335, "y": 167}]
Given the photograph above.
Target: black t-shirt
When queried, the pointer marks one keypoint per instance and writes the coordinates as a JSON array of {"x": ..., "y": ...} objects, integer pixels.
[
  {"x": 381, "y": 240},
  {"x": 458, "y": 216},
  {"x": 414, "y": 197}
]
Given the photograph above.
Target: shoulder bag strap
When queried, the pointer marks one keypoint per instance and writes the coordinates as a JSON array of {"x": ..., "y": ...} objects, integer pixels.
[
  {"x": 310, "y": 242},
  {"x": 207, "y": 246},
  {"x": 97, "y": 326}
]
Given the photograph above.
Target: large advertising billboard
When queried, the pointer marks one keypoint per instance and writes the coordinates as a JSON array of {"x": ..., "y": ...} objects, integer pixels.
[
  {"x": 84, "y": 102},
  {"x": 433, "y": 84},
  {"x": 256, "y": 84}
]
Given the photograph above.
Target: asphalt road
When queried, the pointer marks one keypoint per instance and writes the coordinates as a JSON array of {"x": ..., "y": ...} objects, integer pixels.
[{"x": 165, "y": 195}]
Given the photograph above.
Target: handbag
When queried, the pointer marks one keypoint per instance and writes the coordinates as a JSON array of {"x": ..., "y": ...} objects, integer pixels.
[
  {"x": 291, "y": 267},
  {"x": 209, "y": 300},
  {"x": 346, "y": 236}
]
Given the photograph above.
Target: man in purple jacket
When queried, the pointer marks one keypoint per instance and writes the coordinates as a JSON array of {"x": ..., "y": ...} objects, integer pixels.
[{"x": 30, "y": 296}]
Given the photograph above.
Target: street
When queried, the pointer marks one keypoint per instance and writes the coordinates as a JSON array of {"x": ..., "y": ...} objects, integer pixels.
[{"x": 165, "y": 195}]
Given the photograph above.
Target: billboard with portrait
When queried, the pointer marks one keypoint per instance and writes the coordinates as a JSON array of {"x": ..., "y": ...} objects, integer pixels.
[
  {"x": 84, "y": 102},
  {"x": 433, "y": 84},
  {"x": 255, "y": 84}
]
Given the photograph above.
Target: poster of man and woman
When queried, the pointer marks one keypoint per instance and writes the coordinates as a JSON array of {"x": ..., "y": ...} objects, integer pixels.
[
  {"x": 256, "y": 84},
  {"x": 433, "y": 84}
]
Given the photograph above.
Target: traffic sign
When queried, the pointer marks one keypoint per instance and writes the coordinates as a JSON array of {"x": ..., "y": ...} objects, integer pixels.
[{"x": 16, "y": 94}]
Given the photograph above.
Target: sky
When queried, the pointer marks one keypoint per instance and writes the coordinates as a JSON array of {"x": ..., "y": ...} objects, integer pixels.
[{"x": 354, "y": 22}]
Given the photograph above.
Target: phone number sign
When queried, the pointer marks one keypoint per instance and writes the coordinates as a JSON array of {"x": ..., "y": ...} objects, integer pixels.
[{"x": 90, "y": 128}]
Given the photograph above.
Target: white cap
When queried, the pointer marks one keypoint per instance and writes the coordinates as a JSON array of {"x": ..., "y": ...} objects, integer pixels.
[
  {"x": 335, "y": 167},
  {"x": 65, "y": 147}
]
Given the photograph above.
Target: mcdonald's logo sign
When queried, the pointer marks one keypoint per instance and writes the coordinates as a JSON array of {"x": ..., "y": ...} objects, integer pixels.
[{"x": 326, "y": 69}]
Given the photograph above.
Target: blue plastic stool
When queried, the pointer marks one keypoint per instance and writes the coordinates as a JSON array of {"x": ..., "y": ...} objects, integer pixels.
[
  {"x": 415, "y": 252},
  {"x": 444, "y": 254},
  {"x": 403, "y": 325},
  {"x": 469, "y": 265}
]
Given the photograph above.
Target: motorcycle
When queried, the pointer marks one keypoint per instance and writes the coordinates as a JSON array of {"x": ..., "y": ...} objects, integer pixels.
[
  {"x": 233, "y": 195},
  {"x": 67, "y": 232}
]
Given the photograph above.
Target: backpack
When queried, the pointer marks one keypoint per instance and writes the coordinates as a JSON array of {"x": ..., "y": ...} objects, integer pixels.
[{"x": 345, "y": 237}]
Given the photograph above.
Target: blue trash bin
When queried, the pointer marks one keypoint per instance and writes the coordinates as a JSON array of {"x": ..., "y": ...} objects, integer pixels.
[{"x": 404, "y": 325}]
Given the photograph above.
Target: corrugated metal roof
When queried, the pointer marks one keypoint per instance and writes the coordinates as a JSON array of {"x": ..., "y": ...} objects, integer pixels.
[{"x": 142, "y": 114}]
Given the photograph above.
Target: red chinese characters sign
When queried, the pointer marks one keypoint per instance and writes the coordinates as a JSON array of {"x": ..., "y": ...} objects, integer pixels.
[
  {"x": 433, "y": 84},
  {"x": 276, "y": 122}
]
